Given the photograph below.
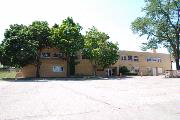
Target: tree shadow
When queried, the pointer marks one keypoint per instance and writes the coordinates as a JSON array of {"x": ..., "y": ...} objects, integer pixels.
[{"x": 49, "y": 79}]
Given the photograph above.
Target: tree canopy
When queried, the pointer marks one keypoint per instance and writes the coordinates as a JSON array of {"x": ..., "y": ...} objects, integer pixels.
[
  {"x": 99, "y": 50},
  {"x": 159, "y": 24},
  {"x": 22, "y": 44},
  {"x": 67, "y": 37},
  {"x": 16, "y": 49}
]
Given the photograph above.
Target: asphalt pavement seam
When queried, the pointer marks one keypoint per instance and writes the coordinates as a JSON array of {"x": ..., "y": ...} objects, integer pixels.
[{"x": 91, "y": 98}]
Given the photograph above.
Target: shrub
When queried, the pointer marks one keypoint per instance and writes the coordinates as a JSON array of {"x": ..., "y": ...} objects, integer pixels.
[{"x": 123, "y": 70}]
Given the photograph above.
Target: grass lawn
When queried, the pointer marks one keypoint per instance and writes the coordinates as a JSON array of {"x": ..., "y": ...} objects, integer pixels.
[{"x": 7, "y": 74}]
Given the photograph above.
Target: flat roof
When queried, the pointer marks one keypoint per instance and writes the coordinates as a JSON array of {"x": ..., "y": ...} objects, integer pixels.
[{"x": 142, "y": 52}]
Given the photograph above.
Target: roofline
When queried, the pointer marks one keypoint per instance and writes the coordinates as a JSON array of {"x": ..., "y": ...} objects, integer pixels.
[{"x": 143, "y": 52}]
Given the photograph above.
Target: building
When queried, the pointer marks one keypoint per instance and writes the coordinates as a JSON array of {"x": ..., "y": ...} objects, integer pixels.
[
  {"x": 145, "y": 63},
  {"x": 54, "y": 64}
]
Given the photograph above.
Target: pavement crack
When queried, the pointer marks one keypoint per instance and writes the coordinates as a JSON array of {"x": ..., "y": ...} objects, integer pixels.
[{"x": 92, "y": 98}]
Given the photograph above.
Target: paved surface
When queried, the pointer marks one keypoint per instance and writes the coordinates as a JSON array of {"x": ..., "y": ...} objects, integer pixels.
[{"x": 146, "y": 98}]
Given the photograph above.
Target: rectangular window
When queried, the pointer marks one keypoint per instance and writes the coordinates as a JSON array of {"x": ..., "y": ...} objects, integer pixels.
[
  {"x": 58, "y": 55},
  {"x": 130, "y": 58},
  {"x": 55, "y": 55},
  {"x": 58, "y": 69},
  {"x": 136, "y": 58},
  {"x": 159, "y": 59},
  {"x": 154, "y": 59},
  {"x": 45, "y": 55},
  {"x": 123, "y": 57},
  {"x": 148, "y": 59}
]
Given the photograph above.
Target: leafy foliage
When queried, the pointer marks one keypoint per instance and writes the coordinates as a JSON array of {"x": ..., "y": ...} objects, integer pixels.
[
  {"x": 22, "y": 44},
  {"x": 16, "y": 49},
  {"x": 123, "y": 70},
  {"x": 101, "y": 52},
  {"x": 68, "y": 38},
  {"x": 40, "y": 32},
  {"x": 159, "y": 24}
]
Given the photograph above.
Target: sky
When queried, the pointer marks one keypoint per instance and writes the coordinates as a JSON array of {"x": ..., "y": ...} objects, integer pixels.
[{"x": 113, "y": 17}]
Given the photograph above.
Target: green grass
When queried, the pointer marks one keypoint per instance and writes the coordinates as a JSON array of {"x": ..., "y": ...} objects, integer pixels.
[{"x": 7, "y": 74}]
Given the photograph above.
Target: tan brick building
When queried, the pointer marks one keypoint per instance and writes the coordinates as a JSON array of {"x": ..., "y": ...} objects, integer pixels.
[
  {"x": 147, "y": 63},
  {"x": 53, "y": 64}
]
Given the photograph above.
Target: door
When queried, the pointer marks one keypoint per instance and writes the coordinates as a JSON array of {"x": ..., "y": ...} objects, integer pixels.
[
  {"x": 160, "y": 71},
  {"x": 154, "y": 71}
]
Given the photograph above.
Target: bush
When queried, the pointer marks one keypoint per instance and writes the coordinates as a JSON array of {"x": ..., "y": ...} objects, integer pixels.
[{"x": 123, "y": 70}]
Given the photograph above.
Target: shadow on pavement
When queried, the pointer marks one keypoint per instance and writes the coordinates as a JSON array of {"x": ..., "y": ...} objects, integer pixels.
[{"x": 63, "y": 79}]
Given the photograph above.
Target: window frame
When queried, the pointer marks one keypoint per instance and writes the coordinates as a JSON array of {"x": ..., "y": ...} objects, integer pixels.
[
  {"x": 130, "y": 58},
  {"x": 136, "y": 58},
  {"x": 43, "y": 55}
]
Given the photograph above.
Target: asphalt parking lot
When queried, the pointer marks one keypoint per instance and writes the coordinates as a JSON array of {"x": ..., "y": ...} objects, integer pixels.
[{"x": 133, "y": 98}]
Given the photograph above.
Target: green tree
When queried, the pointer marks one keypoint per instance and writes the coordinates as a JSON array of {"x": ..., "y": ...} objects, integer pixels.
[
  {"x": 16, "y": 50},
  {"x": 22, "y": 44},
  {"x": 108, "y": 54},
  {"x": 39, "y": 32},
  {"x": 159, "y": 24},
  {"x": 67, "y": 37},
  {"x": 100, "y": 52}
]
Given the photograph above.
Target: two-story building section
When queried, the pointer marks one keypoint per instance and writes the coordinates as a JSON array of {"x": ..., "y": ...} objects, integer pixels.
[
  {"x": 54, "y": 64},
  {"x": 146, "y": 63}
]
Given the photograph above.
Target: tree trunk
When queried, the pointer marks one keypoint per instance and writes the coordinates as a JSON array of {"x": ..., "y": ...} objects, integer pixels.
[
  {"x": 94, "y": 66},
  {"x": 94, "y": 69},
  {"x": 38, "y": 65},
  {"x": 68, "y": 67},
  {"x": 72, "y": 65},
  {"x": 177, "y": 64},
  {"x": 37, "y": 70}
]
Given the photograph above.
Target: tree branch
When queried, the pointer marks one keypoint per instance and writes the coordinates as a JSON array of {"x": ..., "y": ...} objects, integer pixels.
[{"x": 166, "y": 14}]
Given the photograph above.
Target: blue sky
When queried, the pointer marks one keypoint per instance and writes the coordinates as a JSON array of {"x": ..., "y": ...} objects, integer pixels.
[{"x": 113, "y": 17}]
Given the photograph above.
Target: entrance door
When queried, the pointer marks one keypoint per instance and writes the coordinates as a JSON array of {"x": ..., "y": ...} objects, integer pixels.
[
  {"x": 154, "y": 71},
  {"x": 160, "y": 71},
  {"x": 109, "y": 71}
]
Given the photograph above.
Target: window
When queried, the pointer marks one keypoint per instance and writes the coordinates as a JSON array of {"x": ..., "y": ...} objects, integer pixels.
[
  {"x": 148, "y": 59},
  {"x": 158, "y": 59},
  {"x": 130, "y": 58},
  {"x": 58, "y": 55},
  {"x": 154, "y": 59},
  {"x": 58, "y": 69},
  {"x": 55, "y": 55},
  {"x": 45, "y": 55},
  {"x": 123, "y": 57},
  {"x": 136, "y": 58}
]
